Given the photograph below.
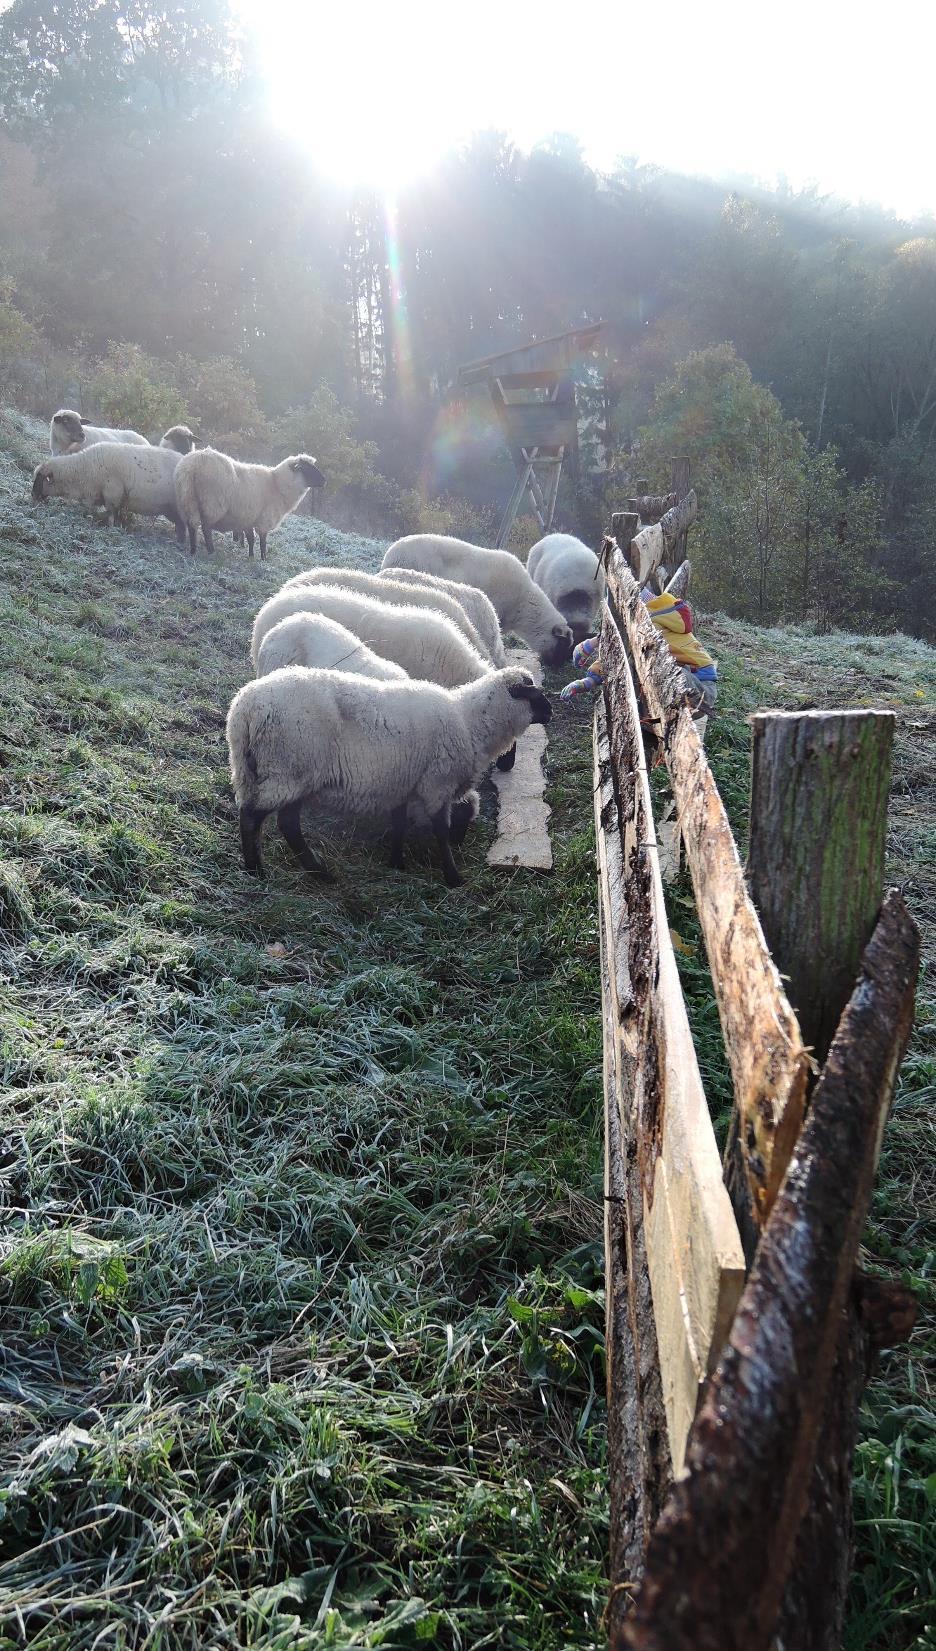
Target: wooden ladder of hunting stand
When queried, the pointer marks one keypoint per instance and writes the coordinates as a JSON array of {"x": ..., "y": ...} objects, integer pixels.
[{"x": 533, "y": 391}]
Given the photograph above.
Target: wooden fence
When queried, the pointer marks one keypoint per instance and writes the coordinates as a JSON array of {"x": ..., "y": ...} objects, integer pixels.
[{"x": 738, "y": 1330}]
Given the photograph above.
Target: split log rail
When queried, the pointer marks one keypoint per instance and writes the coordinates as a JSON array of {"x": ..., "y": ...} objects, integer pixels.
[{"x": 739, "y": 1333}]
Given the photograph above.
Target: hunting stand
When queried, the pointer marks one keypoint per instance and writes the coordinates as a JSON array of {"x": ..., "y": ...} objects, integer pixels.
[{"x": 533, "y": 391}]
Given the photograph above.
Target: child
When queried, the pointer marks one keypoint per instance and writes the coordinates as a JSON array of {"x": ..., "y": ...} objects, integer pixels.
[{"x": 673, "y": 617}]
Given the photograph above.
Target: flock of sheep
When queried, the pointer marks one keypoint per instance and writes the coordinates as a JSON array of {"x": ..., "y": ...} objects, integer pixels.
[
  {"x": 377, "y": 695},
  {"x": 194, "y": 487}
]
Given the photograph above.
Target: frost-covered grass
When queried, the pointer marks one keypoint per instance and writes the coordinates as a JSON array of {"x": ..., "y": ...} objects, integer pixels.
[{"x": 302, "y": 1247}]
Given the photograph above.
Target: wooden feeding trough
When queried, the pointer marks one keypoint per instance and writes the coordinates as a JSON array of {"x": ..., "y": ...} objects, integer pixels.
[{"x": 533, "y": 391}]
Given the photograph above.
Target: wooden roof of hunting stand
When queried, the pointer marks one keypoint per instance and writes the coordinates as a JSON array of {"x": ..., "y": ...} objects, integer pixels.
[{"x": 533, "y": 391}]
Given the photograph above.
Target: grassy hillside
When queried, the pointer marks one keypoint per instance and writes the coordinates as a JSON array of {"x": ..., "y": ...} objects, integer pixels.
[{"x": 302, "y": 1253}]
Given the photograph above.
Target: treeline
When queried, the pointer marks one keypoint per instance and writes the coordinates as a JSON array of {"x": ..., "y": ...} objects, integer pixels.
[{"x": 164, "y": 254}]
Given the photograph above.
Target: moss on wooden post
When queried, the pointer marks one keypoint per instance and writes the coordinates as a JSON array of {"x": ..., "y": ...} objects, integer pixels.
[{"x": 819, "y": 790}]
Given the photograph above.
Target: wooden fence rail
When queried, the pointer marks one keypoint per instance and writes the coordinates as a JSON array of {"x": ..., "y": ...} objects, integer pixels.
[{"x": 726, "y": 1424}]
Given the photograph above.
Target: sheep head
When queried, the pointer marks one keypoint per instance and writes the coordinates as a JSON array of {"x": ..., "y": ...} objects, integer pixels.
[
  {"x": 308, "y": 470},
  {"x": 43, "y": 479},
  {"x": 70, "y": 423}
]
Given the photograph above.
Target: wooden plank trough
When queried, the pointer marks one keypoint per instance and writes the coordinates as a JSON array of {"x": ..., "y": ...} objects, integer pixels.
[{"x": 739, "y": 1332}]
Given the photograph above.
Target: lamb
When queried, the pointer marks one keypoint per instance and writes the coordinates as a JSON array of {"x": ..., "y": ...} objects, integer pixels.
[
  {"x": 384, "y": 588},
  {"x": 69, "y": 432},
  {"x": 122, "y": 478},
  {"x": 179, "y": 437},
  {"x": 478, "y": 607},
  {"x": 360, "y": 747},
  {"x": 571, "y": 576},
  {"x": 521, "y": 606},
  {"x": 218, "y": 492},
  {"x": 311, "y": 640},
  {"x": 426, "y": 644}
]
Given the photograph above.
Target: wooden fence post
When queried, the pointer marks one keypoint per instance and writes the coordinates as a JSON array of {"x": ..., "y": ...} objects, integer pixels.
[
  {"x": 819, "y": 789},
  {"x": 680, "y": 486}
]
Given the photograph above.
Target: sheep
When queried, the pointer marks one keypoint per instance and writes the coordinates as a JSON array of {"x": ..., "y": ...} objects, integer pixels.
[
  {"x": 179, "y": 437},
  {"x": 122, "y": 478},
  {"x": 387, "y": 589},
  {"x": 218, "y": 492},
  {"x": 521, "y": 606},
  {"x": 479, "y": 608},
  {"x": 311, "y": 640},
  {"x": 69, "y": 432},
  {"x": 571, "y": 576},
  {"x": 358, "y": 747},
  {"x": 426, "y": 644}
]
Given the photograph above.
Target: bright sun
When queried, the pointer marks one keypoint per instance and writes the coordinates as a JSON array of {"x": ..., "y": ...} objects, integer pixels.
[
  {"x": 370, "y": 91},
  {"x": 376, "y": 92}
]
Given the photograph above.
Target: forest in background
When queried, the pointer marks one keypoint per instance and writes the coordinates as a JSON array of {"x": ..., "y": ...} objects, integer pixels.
[{"x": 166, "y": 254}]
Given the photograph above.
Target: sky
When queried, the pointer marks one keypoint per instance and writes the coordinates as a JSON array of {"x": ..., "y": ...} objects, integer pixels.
[{"x": 816, "y": 91}]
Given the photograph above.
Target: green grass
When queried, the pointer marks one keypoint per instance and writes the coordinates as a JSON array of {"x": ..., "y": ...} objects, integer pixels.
[
  {"x": 892, "y": 1602},
  {"x": 302, "y": 1240},
  {"x": 301, "y": 1280}
]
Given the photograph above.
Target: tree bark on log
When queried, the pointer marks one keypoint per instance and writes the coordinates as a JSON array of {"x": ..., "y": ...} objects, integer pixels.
[
  {"x": 651, "y": 506},
  {"x": 721, "y": 1554},
  {"x": 649, "y": 547},
  {"x": 819, "y": 789}
]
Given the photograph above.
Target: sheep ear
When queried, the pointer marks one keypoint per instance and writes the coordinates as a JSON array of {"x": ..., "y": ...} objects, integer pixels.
[
  {"x": 84, "y": 421},
  {"x": 523, "y": 690}
]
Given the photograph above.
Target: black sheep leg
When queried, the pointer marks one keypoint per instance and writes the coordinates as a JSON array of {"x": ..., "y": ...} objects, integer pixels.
[
  {"x": 206, "y": 533},
  {"x": 288, "y": 820},
  {"x": 251, "y": 823},
  {"x": 397, "y": 833},
  {"x": 440, "y": 825}
]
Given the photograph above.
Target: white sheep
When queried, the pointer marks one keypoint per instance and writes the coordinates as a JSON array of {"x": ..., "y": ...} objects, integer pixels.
[
  {"x": 387, "y": 589},
  {"x": 571, "y": 576},
  {"x": 426, "y": 644},
  {"x": 357, "y": 747},
  {"x": 122, "y": 478},
  {"x": 479, "y": 608},
  {"x": 313, "y": 640},
  {"x": 317, "y": 643},
  {"x": 521, "y": 606},
  {"x": 214, "y": 491},
  {"x": 69, "y": 432},
  {"x": 179, "y": 437}
]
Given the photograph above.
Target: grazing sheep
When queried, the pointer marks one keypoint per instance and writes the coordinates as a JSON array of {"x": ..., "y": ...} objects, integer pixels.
[
  {"x": 426, "y": 644},
  {"x": 122, "y": 478},
  {"x": 357, "y": 747},
  {"x": 479, "y": 608},
  {"x": 69, "y": 432},
  {"x": 571, "y": 576},
  {"x": 180, "y": 438},
  {"x": 214, "y": 491},
  {"x": 387, "y": 589},
  {"x": 311, "y": 640},
  {"x": 521, "y": 606}
]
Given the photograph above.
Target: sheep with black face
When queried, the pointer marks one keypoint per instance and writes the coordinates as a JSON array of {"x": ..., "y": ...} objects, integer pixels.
[{"x": 217, "y": 492}]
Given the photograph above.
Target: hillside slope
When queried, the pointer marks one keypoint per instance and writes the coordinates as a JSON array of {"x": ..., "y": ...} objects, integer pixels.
[
  {"x": 302, "y": 1256},
  {"x": 300, "y": 1294}
]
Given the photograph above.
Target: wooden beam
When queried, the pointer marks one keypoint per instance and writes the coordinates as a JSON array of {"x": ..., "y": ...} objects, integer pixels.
[
  {"x": 762, "y": 1037},
  {"x": 651, "y": 544},
  {"x": 694, "y": 1255},
  {"x": 651, "y": 506},
  {"x": 722, "y": 1550},
  {"x": 678, "y": 584},
  {"x": 557, "y": 353}
]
